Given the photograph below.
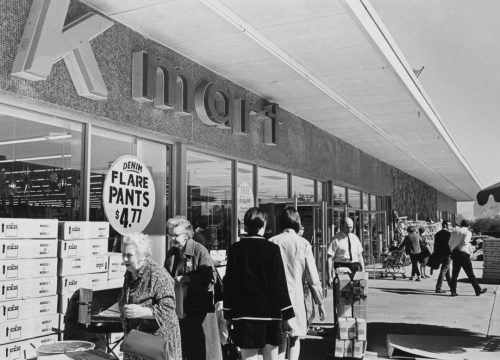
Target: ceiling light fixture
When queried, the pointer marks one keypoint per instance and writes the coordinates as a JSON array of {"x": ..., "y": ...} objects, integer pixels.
[
  {"x": 36, "y": 139},
  {"x": 37, "y": 158}
]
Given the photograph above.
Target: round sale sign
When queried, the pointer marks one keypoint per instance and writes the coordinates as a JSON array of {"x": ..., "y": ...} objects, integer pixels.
[{"x": 128, "y": 195}]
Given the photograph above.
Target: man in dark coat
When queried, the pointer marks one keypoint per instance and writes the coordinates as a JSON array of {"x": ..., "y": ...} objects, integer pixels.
[{"x": 442, "y": 255}]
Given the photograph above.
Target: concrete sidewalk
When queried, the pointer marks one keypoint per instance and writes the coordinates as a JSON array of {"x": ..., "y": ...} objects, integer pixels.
[{"x": 408, "y": 307}]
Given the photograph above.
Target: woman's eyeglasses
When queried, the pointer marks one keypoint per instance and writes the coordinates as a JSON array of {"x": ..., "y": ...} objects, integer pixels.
[{"x": 175, "y": 236}]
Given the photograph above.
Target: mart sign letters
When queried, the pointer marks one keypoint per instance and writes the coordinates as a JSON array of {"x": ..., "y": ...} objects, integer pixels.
[
  {"x": 46, "y": 40},
  {"x": 128, "y": 195}
]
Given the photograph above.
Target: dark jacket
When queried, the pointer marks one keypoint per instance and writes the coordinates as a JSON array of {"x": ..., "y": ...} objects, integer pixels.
[
  {"x": 255, "y": 286},
  {"x": 441, "y": 246},
  {"x": 411, "y": 244},
  {"x": 199, "y": 266}
]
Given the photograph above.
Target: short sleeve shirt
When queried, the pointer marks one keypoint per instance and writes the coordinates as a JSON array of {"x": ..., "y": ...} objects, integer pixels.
[{"x": 339, "y": 248}]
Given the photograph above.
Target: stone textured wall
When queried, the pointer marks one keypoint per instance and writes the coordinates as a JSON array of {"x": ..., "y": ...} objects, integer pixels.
[
  {"x": 413, "y": 198},
  {"x": 302, "y": 148}
]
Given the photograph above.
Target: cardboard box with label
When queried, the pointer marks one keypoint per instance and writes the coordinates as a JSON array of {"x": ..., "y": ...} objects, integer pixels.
[
  {"x": 44, "y": 325},
  {"x": 28, "y": 228},
  {"x": 98, "y": 247},
  {"x": 72, "y": 266},
  {"x": 98, "y": 230},
  {"x": 116, "y": 267},
  {"x": 14, "y": 330},
  {"x": 73, "y": 230},
  {"x": 73, "y": 248},
  {"x": 14, "y": 310},
  {"x": 98, "y": 281},
  {"x": 11, "y": 289},
  {"x": 27, "y": 268},
  {"x": 97, "y": 264},
  {"x": 40, "y": 287},
  {"x": 14, "y": 351},
  {"x": 27, "y": 248},
  {"x": 69, "y": 284}
]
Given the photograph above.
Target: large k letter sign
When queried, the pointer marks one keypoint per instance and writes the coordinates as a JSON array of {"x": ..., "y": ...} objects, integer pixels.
[{"x": 46, "y": 40}]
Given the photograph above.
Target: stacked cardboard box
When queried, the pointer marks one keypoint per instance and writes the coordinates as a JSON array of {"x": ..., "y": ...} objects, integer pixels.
[
  {"x": 28, "y": 285},
  {"x": 83, "y": 258},
  {"x": 491, "y": 265},
  {"x": 351, "y": 294}
]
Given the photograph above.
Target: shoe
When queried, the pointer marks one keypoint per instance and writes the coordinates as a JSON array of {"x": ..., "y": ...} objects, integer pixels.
[
  {"x": 427, "y": 276},
  {"x": 432, "y": 271},
  {"x": 417, "y": 279},
  {"x": 440, "y": 291},
  {"x": 483, "y": 290},
  {"x": 454, "y": 294},
  {"x": 410, "y": 278}
]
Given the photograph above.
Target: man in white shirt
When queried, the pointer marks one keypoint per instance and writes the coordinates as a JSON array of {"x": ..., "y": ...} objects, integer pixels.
[
  {"x": 460, "y": 253},
  {"x": 345, "y": 250}
]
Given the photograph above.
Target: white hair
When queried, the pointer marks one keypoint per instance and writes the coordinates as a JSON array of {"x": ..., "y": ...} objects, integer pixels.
[{"x": 141, "y": 241}]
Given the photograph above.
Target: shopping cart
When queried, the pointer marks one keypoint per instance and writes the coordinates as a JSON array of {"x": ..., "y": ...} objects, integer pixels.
[{"x": 394, "y": 264}]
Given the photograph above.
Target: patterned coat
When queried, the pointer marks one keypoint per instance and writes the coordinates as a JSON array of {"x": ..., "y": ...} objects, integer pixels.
[{"x": 154, "y": 288}]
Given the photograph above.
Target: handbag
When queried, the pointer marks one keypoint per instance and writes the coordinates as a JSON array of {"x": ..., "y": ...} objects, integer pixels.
[
  {"x": 147, "y": 346},
  {"x": 230, "y": 351}
]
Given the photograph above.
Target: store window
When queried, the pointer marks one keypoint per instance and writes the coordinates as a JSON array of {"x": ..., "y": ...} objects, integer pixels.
[
  {"x": 373, "y": 203},
  {"x": 302, "y": 189},
  {"x": 364, "y": 201},
  {"x": 354, "y": 199},
  {"x": 40, "y": 169},
  {"x": 319, "y": 190},
  {"x": 339, "y": 198},
  {"x": 246, "y": 197},
  {"x": 106, "y": 146},
  {"x": 209, "y": 199},
  {"x": 272, "y": 184}
]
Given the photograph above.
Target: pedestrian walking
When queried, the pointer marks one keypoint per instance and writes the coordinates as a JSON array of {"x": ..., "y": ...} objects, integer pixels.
[
  {"x": 442, "y": 255},
  {"x": 460, "y": 253},
  {"x": 425, "y": 252},
  {"x": 300, "y": 265},
  {"x": 345, "y": 250},
  {"x": 411, "y": 244},
  {"x": 256, "y": 298}
]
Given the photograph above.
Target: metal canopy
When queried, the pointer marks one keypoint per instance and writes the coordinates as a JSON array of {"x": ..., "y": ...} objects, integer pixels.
[{"x": 331, "y": 62}]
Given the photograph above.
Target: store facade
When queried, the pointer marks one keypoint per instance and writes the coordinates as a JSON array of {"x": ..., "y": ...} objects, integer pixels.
[{"x": 213, "y": 148}]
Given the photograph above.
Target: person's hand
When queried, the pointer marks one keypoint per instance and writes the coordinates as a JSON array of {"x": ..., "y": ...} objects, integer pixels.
[
  {"x": 330, "y": 281},
  {"x": 321, "y": 311},
  {"x": 133, "y": 311},
  {"x": 287, "y": 325}
]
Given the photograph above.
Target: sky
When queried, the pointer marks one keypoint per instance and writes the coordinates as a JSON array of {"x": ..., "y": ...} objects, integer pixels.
[{"x": 457, "y": 43}]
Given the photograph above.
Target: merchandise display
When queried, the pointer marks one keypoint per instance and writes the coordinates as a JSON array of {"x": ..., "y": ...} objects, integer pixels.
[
  {"x": 43, "y": 263},
  {"x": 350, "y": 298},
  {"x": 491, "y": 265}
]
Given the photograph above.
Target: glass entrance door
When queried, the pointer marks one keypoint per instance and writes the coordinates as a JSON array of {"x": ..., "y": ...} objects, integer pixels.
[{"x": 373, "y": 235}]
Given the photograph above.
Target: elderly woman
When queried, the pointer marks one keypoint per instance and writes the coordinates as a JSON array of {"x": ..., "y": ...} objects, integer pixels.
[
  {"x": 147, "y": 301},
  {"x": 256, "y": 296},
  {"x": 299, "y": 264},
  {"x": 190, "y": 264}
]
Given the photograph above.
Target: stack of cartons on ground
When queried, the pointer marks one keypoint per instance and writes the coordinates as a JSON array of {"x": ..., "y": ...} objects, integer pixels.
[
  {"x": 491, "y": 265},
  {"x": 350, "y": 305},
  {"x": 83, "y": 258},
  {"x": 28, "y": 286},
  {"x": 86, "y": 263}
]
